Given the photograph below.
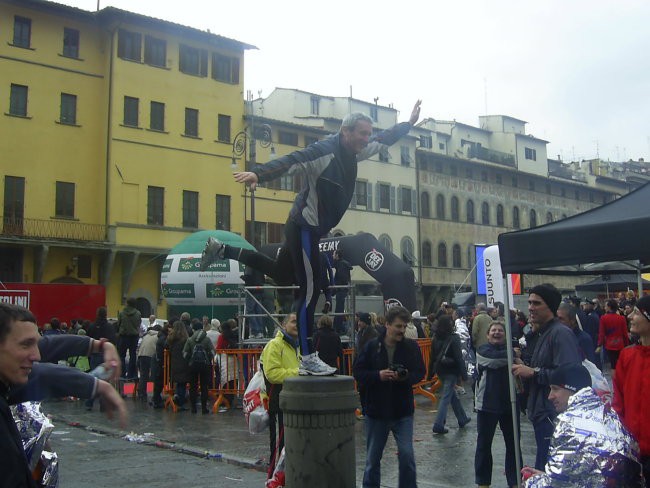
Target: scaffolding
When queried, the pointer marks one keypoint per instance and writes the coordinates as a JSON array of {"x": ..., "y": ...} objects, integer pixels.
[{"x": 270, "y": 313}]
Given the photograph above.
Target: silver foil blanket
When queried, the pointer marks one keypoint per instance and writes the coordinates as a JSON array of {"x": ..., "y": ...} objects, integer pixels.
[
  {"x": 590, "y": 448},
  {"x": 35, "y": 429}
]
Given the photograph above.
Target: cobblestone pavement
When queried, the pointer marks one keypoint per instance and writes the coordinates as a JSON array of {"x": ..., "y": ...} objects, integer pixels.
[{"x": 178, "y": 442}]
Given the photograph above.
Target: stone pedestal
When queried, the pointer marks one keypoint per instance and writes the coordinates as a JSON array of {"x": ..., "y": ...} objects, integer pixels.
[{"x": 319, "y": 431}]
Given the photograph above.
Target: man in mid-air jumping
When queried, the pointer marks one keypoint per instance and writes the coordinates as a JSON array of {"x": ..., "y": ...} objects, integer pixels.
[{"x": 329, "y": 170}]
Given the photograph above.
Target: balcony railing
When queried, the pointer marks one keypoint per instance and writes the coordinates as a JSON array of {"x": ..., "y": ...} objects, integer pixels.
[
  {"x": 491, "y": 155},
  {"x": 52, "y": 229}
]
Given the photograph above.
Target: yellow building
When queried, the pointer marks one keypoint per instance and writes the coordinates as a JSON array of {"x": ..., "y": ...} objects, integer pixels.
[{"x": 117, "y": 144}]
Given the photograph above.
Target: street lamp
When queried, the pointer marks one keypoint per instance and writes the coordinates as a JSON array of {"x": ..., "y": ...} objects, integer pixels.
[{"x": 244, "y": 144}]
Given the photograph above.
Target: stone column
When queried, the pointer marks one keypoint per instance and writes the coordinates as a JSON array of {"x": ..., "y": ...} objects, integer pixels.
[{"x": 319, "y": 431}]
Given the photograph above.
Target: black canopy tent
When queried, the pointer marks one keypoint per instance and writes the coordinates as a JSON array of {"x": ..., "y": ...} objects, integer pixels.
[
  {"x": 613, "y": 238},
  {"x": 612, "y": 283},
  {"x": 617, "y": 233}
]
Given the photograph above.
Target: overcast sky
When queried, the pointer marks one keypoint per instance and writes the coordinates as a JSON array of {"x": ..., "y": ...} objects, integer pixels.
[{"x": 577, "y": 71}]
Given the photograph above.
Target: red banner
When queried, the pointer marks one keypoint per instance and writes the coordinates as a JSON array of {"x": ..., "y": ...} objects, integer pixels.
[{"x": 61, "y": 300}]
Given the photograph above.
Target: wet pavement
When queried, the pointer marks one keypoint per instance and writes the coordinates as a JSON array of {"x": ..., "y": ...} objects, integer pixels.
[{"x": 168, "y": 449}]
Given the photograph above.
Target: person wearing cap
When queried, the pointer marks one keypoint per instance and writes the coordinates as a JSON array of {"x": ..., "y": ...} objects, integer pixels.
[
  {"x": 631, "y": 387},
  {"x": 556, "y": 345},
  {"x": 590, "y": 446}
]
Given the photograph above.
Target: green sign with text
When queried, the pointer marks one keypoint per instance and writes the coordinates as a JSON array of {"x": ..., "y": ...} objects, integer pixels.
[
  {"x": 194, "y": 264},
  {"x": 185, "y": 290}
]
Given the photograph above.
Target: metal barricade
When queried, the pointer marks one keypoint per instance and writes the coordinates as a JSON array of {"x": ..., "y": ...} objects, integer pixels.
[
  {"x": 233, "y": 369},
  {"x": 246, "y": 292}
]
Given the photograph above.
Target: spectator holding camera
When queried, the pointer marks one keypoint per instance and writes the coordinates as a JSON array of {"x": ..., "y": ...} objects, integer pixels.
[
  {"x": 387, "y": 367},
  {"x": 447, "y": 362}
]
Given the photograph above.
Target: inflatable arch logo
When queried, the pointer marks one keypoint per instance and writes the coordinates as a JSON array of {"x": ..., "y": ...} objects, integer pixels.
[{"x": 374, "y": 259}]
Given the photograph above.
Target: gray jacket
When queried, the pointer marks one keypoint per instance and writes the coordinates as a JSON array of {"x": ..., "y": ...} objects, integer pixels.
[{"x": 556, "y": 345}]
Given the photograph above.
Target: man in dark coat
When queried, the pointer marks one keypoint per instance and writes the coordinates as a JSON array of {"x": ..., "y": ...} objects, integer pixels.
[
  {"x": 388, "y": 367},
  {"x": 128, "y": 330},
  {"x": 556, "y": 345}
]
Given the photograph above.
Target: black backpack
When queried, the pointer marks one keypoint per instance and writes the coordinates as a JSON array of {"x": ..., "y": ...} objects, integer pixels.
[{"x": 200, "y": 358}]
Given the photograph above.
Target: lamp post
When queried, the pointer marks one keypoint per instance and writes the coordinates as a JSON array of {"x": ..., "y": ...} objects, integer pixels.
[{"x": 245, "y": 144}]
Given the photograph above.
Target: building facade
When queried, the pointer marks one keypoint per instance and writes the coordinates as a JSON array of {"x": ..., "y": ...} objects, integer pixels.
[
  {"x": 385, "y": 200},
  {"x": 117, "y": 145},
  {"x": 121, "y": 133}
]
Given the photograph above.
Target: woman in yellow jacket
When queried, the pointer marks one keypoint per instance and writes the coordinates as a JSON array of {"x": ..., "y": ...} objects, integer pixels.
[{"x": 280, "y": 360}]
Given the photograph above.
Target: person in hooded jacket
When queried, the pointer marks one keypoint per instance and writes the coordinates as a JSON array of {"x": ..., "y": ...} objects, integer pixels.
[
  {"x": 200, "y": 374},
  {"x": 128, "y": 330},
  {"x": 146, "y": 352},
  {"x": 446, "y": 361},
  {"x": 279, "y": 361}
]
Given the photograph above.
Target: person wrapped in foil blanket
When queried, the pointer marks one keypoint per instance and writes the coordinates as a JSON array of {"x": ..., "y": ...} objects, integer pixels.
[{"x": 590, "y": 448}]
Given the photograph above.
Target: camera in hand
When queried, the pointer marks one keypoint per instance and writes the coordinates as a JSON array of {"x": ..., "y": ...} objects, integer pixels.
[{"x": 399, "y": 369}]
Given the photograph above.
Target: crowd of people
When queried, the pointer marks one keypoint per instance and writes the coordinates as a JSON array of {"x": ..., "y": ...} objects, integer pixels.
[
  {"x": 561, "y": 353},
  {"x": 556, "y": 349}
]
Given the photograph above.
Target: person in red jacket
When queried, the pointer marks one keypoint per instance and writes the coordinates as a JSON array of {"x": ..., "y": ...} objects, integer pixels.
[
  {"x": 613, "y": 332},
  {"x": 632, "y": 383}
]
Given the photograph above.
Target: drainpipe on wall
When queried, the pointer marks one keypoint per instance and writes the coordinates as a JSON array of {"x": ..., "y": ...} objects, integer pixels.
[
  {"x": 109, "y": 259},
  {"x": 109, "y": 132},
  {"x": 418, "y": 215}
]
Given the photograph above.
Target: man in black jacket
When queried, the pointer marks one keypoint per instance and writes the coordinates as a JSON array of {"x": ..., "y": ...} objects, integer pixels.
[
  {"x": 388, "y": 367},
  {"x": 556, "y": 345}
]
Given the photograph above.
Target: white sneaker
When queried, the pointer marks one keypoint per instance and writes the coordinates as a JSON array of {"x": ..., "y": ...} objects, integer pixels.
[
  {"x": 214, "y": 249},
  {"x": 311, "y": 364}
]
